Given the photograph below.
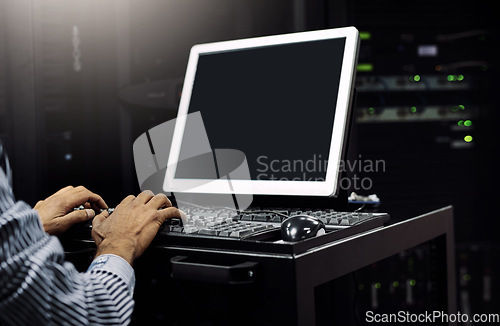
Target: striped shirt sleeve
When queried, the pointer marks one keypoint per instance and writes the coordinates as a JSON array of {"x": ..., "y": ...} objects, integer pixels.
[{"x": 37, "y": 287}]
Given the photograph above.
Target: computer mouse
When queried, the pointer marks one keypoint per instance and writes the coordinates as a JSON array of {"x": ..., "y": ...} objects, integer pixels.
[{"x": 300, "y": 227}]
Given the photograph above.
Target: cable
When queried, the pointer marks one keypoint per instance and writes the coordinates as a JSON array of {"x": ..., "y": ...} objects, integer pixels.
[
  {"x": 365, "y": 220},
  {"x": 360, "y": 208}
]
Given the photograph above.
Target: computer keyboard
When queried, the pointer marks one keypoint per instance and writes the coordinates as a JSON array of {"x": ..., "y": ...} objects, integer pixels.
[
  {"x": 257, "y": 223},
  {"x": 260, "y": 224}
]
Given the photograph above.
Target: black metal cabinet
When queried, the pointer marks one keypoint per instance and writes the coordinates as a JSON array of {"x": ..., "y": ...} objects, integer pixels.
[{"x": 214, "y": 282}]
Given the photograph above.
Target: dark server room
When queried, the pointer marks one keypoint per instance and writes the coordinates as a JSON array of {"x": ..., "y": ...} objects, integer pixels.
[{"x": 80, "y": 81}]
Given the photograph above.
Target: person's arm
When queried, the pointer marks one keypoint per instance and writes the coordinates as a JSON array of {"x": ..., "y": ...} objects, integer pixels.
[{"x": 37, "y": 287}]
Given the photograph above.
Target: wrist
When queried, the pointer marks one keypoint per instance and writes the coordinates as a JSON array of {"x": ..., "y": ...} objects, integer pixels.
[{"x": 124, "y": 248}]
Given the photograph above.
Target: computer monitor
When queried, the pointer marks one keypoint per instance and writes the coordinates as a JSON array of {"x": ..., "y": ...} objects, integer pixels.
[{"x": 283, "y": 101}]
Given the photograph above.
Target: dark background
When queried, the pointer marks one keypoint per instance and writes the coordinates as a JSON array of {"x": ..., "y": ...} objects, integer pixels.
[{"x": 81, "y": 80}]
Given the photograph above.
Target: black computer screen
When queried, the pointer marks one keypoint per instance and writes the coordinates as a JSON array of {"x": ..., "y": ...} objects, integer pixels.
[{"x": 276, "y": 104}]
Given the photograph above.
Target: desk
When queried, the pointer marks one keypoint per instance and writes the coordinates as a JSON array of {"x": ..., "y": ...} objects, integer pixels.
[{"x": 282, "y": 288}]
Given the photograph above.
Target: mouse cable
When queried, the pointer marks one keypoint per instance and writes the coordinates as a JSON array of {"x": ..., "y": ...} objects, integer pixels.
[
  {"x": 365, "y": 220},
  {"x": 360, "y": 208}
]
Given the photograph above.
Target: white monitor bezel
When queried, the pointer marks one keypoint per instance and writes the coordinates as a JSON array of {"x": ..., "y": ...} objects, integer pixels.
[{"x": 329, "y": 186}]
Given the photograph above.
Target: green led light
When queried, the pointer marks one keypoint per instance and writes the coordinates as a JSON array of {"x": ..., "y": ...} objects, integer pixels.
[
  {"x": 365, "y": 36},
  {"x": 460, "y": 123},
  {"x": 371, "y": 110},
  {"x": 378, "y": 285},
  {"x": 467, "y": 123},
  {"x": 413, "y": 109},
  {"x": 453, "y": 78},
  {"x": 365, "y": 67},
  {"x": 413, "y": 282},
  {"x": 461, "y": 107},
  {"x": 395, "y": 284},
  {"x": 416, "y": 78},
  {"x": 468, "y": 138}
]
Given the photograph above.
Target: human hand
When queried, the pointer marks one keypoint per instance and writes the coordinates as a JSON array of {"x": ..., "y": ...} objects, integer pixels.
[
  {"x": 57, "y": 211},
  {"x": 132, "y": 226}
]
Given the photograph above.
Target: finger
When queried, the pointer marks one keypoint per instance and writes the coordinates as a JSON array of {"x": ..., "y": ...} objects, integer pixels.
[
  {"x": 159, "y": 201},
  {"x": 80, "y": 195},
  {"x": 98, "y": 209},
  {"x": 78, "y": 216},
  {"x": 96, "y": 222},
  {"x": 126, "y": 200},
  {"x": 94, "y": 198},
  {"x": 184, "y": 217},
  {"x": 145, "y": 196},
  {"x": 167, "y": 213},
  {"x": 99, "y": 219}
]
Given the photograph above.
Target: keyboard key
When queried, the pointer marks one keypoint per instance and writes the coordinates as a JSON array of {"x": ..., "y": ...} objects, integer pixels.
[
  {"x": 334, "y": 221},
  {"x": 261, "y": 217},
  {"x": 344, "y": 221},
  {"x": 240, "y": 233},
  {"x": 276, "y": 219},
  {"x": 324, "y": 219},
  {"x": 190, "y": 229},
  {"x": 207, "y": 215},
  {"x": 258, "y": 227},
  {"x": 246, "y": 217},
  {"x": 208, "y": 231},
  {"x": 353, "y": 219},
  {"x": 225, "y": 233},
  {"x": 200, "y": 223}
]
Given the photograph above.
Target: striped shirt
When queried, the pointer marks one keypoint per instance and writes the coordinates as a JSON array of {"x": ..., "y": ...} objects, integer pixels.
[{"x": 37, "y": 287}]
